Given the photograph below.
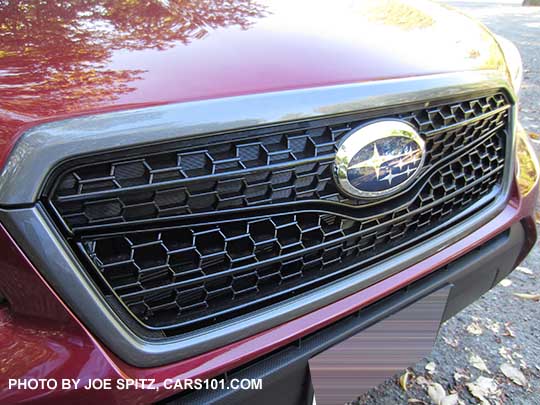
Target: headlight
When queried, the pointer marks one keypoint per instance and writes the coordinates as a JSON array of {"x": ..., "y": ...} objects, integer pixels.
[
  {"x": 527, "y": 162},
  {"x": 513, "y": 60}
]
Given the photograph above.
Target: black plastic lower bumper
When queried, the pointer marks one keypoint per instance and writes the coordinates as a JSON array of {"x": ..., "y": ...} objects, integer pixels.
[{"x": 285, "y": 372}]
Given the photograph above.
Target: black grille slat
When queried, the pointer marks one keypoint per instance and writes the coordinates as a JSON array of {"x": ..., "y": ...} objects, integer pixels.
[{"x": 275, "y": 229}]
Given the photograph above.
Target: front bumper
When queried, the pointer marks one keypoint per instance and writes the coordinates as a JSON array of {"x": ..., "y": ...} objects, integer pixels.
[{"x": 285, "y": 372}]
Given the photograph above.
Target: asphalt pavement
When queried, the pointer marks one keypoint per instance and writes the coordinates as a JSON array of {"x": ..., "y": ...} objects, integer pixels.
[{"x": 492, "y": 348}]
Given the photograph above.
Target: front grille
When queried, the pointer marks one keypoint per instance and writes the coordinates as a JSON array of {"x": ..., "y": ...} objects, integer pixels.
[{"x": 188, "y": 235}]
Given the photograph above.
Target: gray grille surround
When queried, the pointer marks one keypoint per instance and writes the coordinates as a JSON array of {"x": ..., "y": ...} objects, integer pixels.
[{"x": 41, "y": 240}]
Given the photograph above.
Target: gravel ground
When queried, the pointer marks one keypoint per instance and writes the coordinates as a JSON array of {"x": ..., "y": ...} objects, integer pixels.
[{"x": 499, "y": 308}]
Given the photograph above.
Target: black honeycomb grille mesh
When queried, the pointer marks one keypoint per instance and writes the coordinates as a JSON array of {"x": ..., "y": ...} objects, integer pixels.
[
  {"x": 269, "y": 169},
  {"x": 174, "y": 270}
]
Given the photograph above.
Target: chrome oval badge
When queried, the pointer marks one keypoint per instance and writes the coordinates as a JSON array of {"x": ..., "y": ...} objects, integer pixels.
[{"x": 379, "y": 159}]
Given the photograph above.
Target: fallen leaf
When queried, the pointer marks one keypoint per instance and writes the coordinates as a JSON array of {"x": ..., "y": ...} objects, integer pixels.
[
  {"x": 421, "y": 380},
  {"x": 506, "y": 354},
  {"x": 493, "y": 326},
  {"x": 525, "y": 270},
  {"x": 430, "y": 367},
  {"x": 477, "y": 362},
  {"x": 506, "y": 282},
  {"x": 438, "y": 396},
  {"x": 507, "y": 331},
  {"x": 403, "y": 380},
  {"x": 534, "y": 136},
  {"x": 437, "y": 393},
  {"x": 537, "y": 216},
  {"x": 514, "y": 374},
  {"x": 483, "y": 387},
  {"x": 458, "y": 377},
  {"x": 478, "y": 393},
  {"x": 451, "y": 399},
  {"x": 451, "y": 342},
  {"x": 532, "y": 297},
  {"x": 475, "y": 329}
]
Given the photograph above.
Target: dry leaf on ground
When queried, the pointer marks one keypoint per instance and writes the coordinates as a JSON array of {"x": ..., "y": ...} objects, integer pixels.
[
  {"x": 514, "y": 374},
  {"x": 506, "y": 354},
  {"x": 507, "y": 331},
  {"x": 475, "y": 329},
  {"x": 438, "y": 396},
  {"x": 436, "y": 392},
  {"x": 477, "y": 362},
  {"x": 532, "y": 297},
  {"x": 458, "y": 377},
  {"x": 451, "y": 399},
  {"x": 506, "y": 282},
  {"x": 483, "y": 388},
  {"x": 525, "y": 270},
  {"x": 404, "y": 380},
  {"x": 493, "y": 326},
  {"x": 421, "y": 380},
  {"x": 451, "y": 342},
  {"x": 430, "y": 367}
]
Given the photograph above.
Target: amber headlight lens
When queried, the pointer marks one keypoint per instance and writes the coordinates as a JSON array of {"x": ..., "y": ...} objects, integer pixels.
[{"x": 527, "y": 162}]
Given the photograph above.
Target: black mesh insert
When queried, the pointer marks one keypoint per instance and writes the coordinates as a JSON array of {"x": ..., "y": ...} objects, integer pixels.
[
  {"x": 274, "y": 223},
  {"x": 279, "y": 167}
]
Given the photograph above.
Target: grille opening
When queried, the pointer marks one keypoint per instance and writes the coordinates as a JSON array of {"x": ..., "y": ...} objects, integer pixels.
[{"x": 188, "y": 237}]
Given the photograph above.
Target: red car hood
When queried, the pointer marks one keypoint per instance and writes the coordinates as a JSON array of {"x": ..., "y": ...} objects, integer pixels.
[{"x": 60, "y": 60}]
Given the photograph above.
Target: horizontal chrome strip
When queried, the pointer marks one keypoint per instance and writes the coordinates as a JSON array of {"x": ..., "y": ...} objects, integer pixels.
[{"x": 43, "y": 147}]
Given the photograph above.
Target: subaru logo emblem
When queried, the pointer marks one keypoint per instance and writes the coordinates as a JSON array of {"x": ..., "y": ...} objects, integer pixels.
[{"x": 379, "y": 159}]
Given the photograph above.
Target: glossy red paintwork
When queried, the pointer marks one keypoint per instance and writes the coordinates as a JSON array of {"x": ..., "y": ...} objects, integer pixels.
[
  {"x": 16, "y": 274},
  {"x": 39, "y": 348},
  {"x": 65, "y": 58}
]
